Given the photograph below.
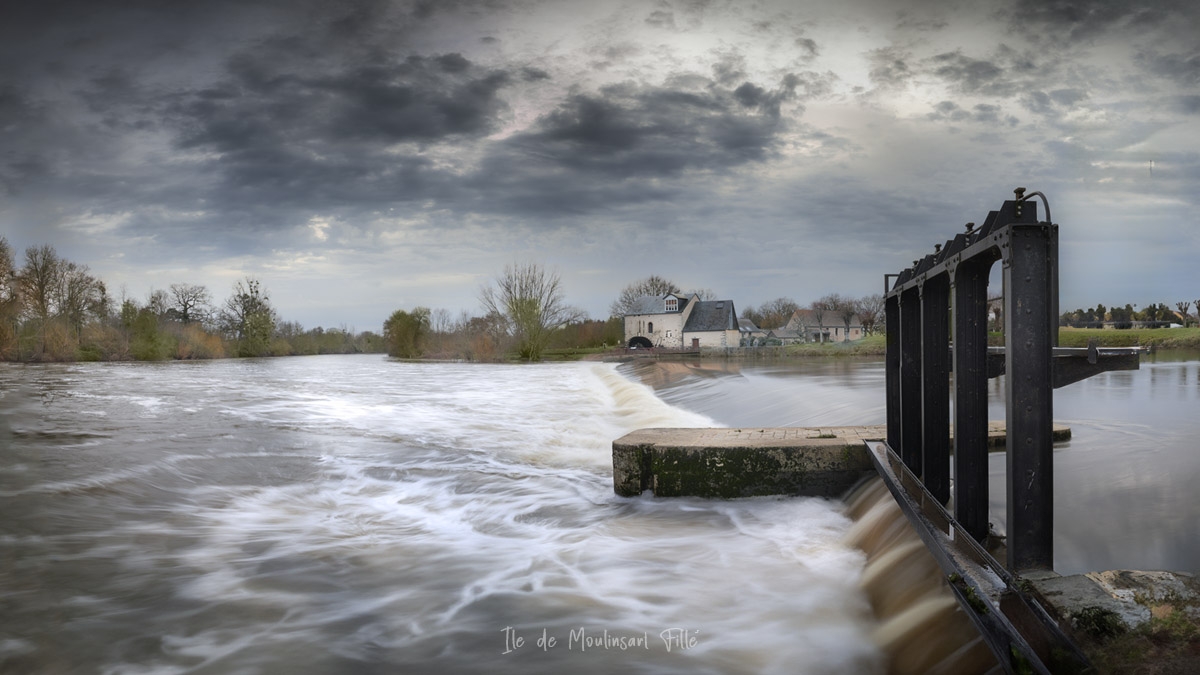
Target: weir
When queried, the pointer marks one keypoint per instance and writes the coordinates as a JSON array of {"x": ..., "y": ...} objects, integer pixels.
[{"x": 937, "y": 354}]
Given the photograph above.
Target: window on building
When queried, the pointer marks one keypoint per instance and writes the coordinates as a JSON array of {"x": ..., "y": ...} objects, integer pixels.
[
  {"x": 672, "y": 304},
  {"x": 651, "y": 327}
]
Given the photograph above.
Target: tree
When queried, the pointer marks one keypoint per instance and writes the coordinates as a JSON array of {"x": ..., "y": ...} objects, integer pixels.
[
  {"x": 820, "y": 308},
  {"x": 772, "y": 313},
  {"x": 531, "y": 299},
  {"x": 844, "y": 308},
  {"x": 10, "y": 308},
  {"x": 82, "y": 295},
  {"x": 1183, "y": 310},
  {"x": 652, "y": 285},
  {"x": 40, "y": 280},
  {"x": 191, "y": 301},
  {"x": 870, "y": 312},
  {"x": 404, "y": 332},
  {"x": 248, "y": 318}
]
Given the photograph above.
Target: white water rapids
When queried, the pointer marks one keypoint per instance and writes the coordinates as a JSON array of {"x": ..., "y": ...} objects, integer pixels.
[{"x": 362, "y": 515}]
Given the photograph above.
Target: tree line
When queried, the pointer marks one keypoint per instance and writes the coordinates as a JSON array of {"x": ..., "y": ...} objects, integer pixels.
[
  {"x": 53, "y": 309},
  {"x": 525, "y": 314},
  {"x": 1156, "y": 312},
  {"x": 833, "y": 307}
]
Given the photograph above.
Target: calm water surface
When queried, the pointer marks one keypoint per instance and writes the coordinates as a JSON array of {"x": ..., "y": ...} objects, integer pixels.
[
  {"x": 360, "y": 515},
  {"x": 1124, "y": 485}
]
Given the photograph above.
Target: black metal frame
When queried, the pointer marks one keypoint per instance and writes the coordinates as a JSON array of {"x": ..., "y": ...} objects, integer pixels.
[{"x": 936, "y": 314}]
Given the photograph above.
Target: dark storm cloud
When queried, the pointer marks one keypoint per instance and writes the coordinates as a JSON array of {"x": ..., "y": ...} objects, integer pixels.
[
  {"x": 411, "y": 99},
  {"x": 1065, "y": 21},
  {"x": 630, "y": 143}
]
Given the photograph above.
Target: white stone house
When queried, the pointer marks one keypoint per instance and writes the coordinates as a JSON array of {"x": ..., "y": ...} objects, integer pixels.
[
  {"x": 827, "y": 327},
  {"x": 674, "y": 321}
]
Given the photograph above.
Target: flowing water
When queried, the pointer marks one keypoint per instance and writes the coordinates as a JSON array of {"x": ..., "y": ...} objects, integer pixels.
[
  {"x": 1124, "y": 485},
  {"x": 361, "y": 515}
]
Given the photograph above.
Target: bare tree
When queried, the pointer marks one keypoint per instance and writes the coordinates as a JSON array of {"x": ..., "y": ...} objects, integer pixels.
[
  {"x": 1198, "y": 309},
  {"x": 845, "y": 308},
  {"x": 772, "y": 313},
  {"x": 652, "y": 285},
  {"x": 39, "y": 280},
  {"x": 1183, "y": 310},
  {"x": 10, "y": 304},
  {"x": 870, "y": 311},
  {"x": 531, "y": 298},
  {"x": 820, "y": 308},
  {"x": 191, "y": 301},
  {"x": 81, "y": 295}
]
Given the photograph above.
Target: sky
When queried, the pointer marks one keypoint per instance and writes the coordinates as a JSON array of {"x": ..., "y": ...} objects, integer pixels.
[{"x": 362, "y": 157}]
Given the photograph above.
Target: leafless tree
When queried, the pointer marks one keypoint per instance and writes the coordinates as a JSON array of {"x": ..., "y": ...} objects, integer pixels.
[
  {"x": 1183, "y": 310},
  {"x": 870, "y": 311},
  {"x": 191, "y": 301},
  {"x": 821, "y": 308},
  {"x": 652, "y": 285},
  {"x": 773, "y": 313},
  {"x": 531, "y": 298}
]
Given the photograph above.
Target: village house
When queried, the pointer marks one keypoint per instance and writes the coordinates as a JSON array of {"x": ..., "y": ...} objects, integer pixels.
[
  {"x": 674, "y": 321},
  {"x": 824, "y": 326}
]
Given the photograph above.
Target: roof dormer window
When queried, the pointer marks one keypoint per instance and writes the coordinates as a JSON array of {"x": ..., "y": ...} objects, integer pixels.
[{"x": 672, "y": 304}]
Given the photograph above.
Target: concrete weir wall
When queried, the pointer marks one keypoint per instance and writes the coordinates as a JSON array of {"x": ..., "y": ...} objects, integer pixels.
[
  {"x": 730, "y": 463},
  {"x": 752, "y": 462}
]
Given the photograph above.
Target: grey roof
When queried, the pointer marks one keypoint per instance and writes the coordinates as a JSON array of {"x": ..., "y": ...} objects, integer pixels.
[
  {"x": 747, "y": 325},
  {"x": 654, "y": 304},
  {"x": 829, "y": 319},
  {"x": 710, "y": 315}
]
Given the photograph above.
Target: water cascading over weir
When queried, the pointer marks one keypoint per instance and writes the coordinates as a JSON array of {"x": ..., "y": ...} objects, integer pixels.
[{"x": 944, "y": 601}]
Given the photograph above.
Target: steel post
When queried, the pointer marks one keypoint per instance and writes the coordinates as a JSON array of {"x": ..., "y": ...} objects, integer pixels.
[
  {"x": 970, "y": 395},
  {"x": 935, "y": 385},
  {"x": 1029, "y": 327}
]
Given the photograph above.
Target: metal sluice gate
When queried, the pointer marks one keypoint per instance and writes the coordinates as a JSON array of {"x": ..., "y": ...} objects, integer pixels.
[{"x": 937, "y": 317}]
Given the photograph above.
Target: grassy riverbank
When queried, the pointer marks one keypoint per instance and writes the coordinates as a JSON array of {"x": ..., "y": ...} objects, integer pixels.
[{"x": 1159, "y": 338}]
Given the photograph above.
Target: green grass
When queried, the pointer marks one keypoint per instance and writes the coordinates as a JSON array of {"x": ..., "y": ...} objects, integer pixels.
[
  {"x": 571, "y": 354},
  {"x": 1164, "y": 338},
  {"x": 872, "y": 345}
]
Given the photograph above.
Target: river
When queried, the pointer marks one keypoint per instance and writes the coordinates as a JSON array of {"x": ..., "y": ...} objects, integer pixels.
[
  {"x": 355, "y": 514},
  {"x": 1123, "y": 484}
]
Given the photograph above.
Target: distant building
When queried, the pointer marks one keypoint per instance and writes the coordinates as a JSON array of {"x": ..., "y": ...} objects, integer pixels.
[
  {"x": 750, "y": 335},
  {"x": 826, "y": 326},
  {"x": 674, "y": 321}
]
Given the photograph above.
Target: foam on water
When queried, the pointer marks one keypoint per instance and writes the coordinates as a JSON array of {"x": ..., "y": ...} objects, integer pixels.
[{"x": 358, "y": 514}]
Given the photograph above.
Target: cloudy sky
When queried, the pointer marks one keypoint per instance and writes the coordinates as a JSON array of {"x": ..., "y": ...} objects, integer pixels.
[{"x": 360, "y": 157}]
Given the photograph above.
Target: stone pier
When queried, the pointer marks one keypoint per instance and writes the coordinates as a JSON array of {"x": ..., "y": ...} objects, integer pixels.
[{"x": 751, "y": 462}]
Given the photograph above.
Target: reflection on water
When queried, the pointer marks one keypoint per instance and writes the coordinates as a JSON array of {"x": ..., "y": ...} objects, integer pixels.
[
  {"x": 359, "y": 515},
  {"x": 1122, "y": 485}
]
